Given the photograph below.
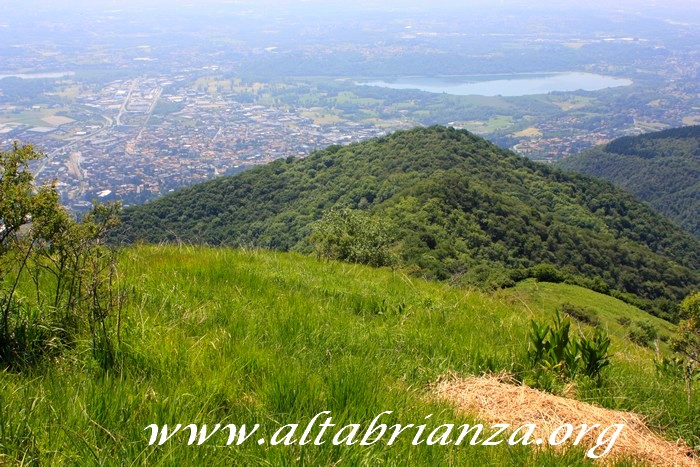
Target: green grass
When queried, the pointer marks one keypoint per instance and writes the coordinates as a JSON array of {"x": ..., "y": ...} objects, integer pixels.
[
  {"x": 547, "y": 297},
  {"x": 499, "y": 122},
  {"x": 571, "y": 102},
  {"x": 31, "y": 117},
  {"x": 347, "y": 97},
  {"x": 632, "y": 381},
  {"x": 230, "y": 336}
]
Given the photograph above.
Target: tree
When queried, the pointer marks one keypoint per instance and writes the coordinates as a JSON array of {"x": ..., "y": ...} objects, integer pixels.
[
  {"x": 16, "y": 192},
  {"x": 687, "y": 339},
  {"x": 687, "y": 343},
  {"x": 354, "y": 236},
  {"x": 57, "y": 278}
]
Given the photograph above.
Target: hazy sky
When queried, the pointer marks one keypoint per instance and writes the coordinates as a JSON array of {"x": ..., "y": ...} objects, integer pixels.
[
  {"x": 679, "y": 10},
  {"x": 462, "y": 4}
]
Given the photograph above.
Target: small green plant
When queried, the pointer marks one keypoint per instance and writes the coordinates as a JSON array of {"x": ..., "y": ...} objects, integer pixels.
[
  {"x": 594, "y": 353},
  {"x": 552, "y": 348},
  {"x": 554, "y": 351}
]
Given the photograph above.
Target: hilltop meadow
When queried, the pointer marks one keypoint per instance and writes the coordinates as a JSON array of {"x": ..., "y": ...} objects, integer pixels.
[{"x": 215, "y": 335}]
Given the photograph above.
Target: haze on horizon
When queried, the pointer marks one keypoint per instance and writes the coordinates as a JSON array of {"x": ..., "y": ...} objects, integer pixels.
[{"x": 77, "y": 5}]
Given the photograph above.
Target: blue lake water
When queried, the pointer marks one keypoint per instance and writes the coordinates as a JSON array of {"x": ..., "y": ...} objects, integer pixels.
[
  {"x": 60, "y": 74},
  {"x": 504, "y": 85}
]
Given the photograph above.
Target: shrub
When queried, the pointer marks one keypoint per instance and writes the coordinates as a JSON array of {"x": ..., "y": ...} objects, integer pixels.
[
  {"x": 680, "y": 368},
  {"x": 596, "y": 284},
  {"x": 624, "y": 321},
  {"x": 686, "y": 342},
  {"x": 581, "y": 314},
  {"x": 489, "y": 277},
  {"x": 547, "y": 273},
  {"x": 643, "y": 333},
  {"x": 354, "y": 236},
  {"x": 687, "y": 338},
  {"x": 57, "y": 279}
]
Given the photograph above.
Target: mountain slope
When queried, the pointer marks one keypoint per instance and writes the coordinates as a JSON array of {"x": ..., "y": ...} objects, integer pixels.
[
  {"x": 245, "y": 337},
  {"x": 661, "y": 168},
  {"x": 462, "y": 209}
]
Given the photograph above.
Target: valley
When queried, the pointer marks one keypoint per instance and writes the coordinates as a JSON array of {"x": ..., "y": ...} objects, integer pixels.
[
  {"x": 229, "y": 228},
  {"x": 151, "y": 115}
]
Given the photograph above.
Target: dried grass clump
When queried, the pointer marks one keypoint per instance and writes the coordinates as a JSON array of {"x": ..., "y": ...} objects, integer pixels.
[{"x": 498, "y": 399}]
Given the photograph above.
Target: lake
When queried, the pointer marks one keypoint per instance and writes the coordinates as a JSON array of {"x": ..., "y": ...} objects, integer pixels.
[
  {"x": 504, "y": 85},
  {"x": 60, "y": 74}
]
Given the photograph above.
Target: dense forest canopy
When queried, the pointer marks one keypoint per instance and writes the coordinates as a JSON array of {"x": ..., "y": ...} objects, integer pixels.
[
  {"x": 661, "y": 168},
  {"x": 461, "y": 209}
]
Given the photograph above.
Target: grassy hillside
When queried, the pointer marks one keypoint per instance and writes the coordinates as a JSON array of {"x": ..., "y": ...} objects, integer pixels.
[
  {"x": 220, "y": 335},
  {"x": 549, "y": 297},
  {"x": 661, "y": 168},
  {"x": 459, "y": 207}
]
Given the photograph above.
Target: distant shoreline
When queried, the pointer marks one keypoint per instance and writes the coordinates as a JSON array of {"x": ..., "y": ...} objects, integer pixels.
[
  {"x": 48, "y": 75},
  {"x": 519, "y": 84}
]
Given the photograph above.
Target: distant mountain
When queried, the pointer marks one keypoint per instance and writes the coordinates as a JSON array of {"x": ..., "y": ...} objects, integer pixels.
[
  {"x": 462, "y": 209},
  {"x": 661, "y": 168}
]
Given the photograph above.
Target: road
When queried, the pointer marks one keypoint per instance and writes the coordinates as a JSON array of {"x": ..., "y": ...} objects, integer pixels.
[
  {"x": 110, "y": 123},
  {"x": 150, "y": 111},
  {"x": 122, "y": 109},
  {"x": 63, "y": 149}
]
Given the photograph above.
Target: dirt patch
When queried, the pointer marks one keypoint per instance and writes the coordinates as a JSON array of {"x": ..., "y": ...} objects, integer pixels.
[{"x": 496, "y": 399}]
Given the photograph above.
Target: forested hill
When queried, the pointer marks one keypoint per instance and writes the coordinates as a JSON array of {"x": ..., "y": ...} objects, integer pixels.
[
  {"x": 460, "y": 208},
  {"x": 662, "y": 168}
]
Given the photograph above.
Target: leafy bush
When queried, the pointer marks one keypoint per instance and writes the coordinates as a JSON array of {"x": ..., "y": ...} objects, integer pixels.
[
  {"x": 624, "y": 321},
  {"x": 581, "y": 314},
  {"x": 643, "y": 333},
  {"x": 552, "y": 347},
  {"x": 547, "y": 273},
  {"x": 686, "y": 342},
  {"x": 57, "y": 279},
  {"x": 687, "y": 339},
  {"x": 681, "y": 368},
  {"x": 354, "y": 236},
  {"x": 593, "y": 283},
  {"x": 490, "y": 277}
]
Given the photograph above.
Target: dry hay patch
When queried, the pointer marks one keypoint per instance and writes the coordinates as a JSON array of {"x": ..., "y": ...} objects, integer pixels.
[{"x": 498, "y": 399}]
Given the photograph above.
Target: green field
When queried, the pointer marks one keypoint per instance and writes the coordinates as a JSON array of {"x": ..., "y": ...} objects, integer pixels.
[
  {"x": 31, "y": 117},
  {"x": 571, "y": 102},
  {"x": 321, "y": 116},
  {"x": 499, "y": 122},
  {"x": 232, "y": 336}
]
